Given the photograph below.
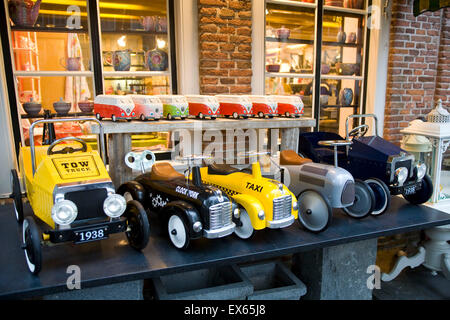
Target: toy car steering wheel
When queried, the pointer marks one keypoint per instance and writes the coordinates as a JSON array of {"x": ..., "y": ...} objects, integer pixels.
[
  {"x": 68, "y": 149},
  {"x": 358, "y": 131}
]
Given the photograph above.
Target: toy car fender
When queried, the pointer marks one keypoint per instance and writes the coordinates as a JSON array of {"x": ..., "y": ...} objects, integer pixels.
[{"x": 252, "y": 206}]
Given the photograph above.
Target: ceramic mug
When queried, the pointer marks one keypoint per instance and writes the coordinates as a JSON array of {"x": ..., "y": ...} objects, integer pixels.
[
  {"x": 121, "y": 60},
  {"x": 156, "y": 60},
  {"x": 161, "y": 24},
  {"x": 72, "y": 64}
]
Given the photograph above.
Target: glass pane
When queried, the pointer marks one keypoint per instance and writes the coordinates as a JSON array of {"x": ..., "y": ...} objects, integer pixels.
[
  {"x": 350, "y": 4},
  {"x": 295, "y": 86},
  {"x": 134, "y": 35},
  {"x": 343, "y": 43},
  {"x": 445, "y": 176},
  {"x": 137, "y": 85},
  {"x": 338, "y": 100},
  {"x": 289, "y": 39},
  {"x": 52, "y": 38}
]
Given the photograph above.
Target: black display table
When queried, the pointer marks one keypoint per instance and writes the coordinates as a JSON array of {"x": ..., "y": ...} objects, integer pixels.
[{"x": 112, "y": 261}]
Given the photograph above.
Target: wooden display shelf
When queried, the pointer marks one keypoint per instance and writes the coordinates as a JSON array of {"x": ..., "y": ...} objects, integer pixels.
[{"x": 49, "y": 29}]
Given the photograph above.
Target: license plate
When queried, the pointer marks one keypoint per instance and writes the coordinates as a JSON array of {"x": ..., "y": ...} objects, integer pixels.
[
  {"x": 409, "y": 190},
  {"x": 91, "y": 235}
]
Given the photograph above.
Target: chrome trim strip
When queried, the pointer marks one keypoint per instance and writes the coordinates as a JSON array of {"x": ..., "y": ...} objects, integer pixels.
[
  {"x": 219, "y": 233},
  {"x": 286, "y": 222}
]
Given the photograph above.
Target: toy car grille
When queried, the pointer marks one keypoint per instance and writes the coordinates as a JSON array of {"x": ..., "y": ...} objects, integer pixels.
[
  {"x": 219, "y": 215},
  {"x": 93, "y": 208},
  {"x": 282, "y": 207}
]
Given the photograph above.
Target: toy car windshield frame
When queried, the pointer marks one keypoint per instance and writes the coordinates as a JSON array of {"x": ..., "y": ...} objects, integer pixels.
[
  {"x": 32, "y": 147},
  {"x": 368, "y": 115}
]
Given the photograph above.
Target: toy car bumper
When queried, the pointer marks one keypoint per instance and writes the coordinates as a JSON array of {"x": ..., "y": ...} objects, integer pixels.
[
  {"x": 219, "y": 233},
  {"x": 282, "y": 223},
  {"x": 80, "y": 234},
  {"x": 407, "y": 188}
]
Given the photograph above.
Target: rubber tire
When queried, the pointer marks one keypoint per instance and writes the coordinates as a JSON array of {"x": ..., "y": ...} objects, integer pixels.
[
  {"x": 31, "y": 240},
  {"x": 235, "y": 115},
  {"x": 213, "y": 118},
  {"x": 200, "y": 116},
  {"x": 17, "y": 196},
  {"x": 186, "y": 230},
  {"x": 246, "y": 220},
  {"x": 140, "y": 228},
  {"x": 287, "y": 114},
  {"x": 98, "y": 117},
  {"x": 113, "y": 118},
  {"x": 365, "y": 187},
  {"x": 261, "y": 114},
  {"x": 329, "y": 213},
  {"x": 142, "y": 117},
  {"x": 423, "y": 194},
  {"x": 386, "y": 192},
  {"x": 169, "y": 116}
]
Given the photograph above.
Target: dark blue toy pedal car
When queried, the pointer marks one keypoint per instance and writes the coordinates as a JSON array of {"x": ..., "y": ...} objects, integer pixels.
[{"x": 387, "y": 168}]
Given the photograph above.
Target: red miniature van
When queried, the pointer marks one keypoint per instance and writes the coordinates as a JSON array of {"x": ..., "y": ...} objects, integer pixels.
[
  {"x": 264, "y": 106},
  {"x": 235, "y": 106},
  {"x": 203, "y": 106},
  {"x": 289, "y": 106},
  {"x": 114, "y": 107}
]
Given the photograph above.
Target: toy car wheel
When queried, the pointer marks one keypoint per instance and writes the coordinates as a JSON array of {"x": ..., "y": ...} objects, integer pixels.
[
  {"x": 142, "y": 117},
  {"x": 17, "y": 196},
  {"x": 138, "y": 227},
  {"x": 178, "y": 232},
  {"x": 31, "y": 243},
  {"x": 213, "y": 118},
  {"x": 97, "y": 115},
  {"x": 235, "y": 115},
  {"x": 113, "y": 118},
  {"x": 287, "y": 114},
  {"x": 422, "y": 195},
  {"x": 261, "y": 114},
  {"x": 364, "y": 201},
  {"x": 200, "y": 115},
  {"x": 314, "y": 211},
  {"x": 244, "y": 228},
  {"x": 169, "y": 116},
  {"x": 382, "y": 196}
]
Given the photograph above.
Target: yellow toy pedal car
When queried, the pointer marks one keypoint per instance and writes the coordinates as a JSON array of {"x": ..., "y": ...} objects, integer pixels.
[
  {"x": 72, "y": 197},
  {"x": 263, "y": 202}
]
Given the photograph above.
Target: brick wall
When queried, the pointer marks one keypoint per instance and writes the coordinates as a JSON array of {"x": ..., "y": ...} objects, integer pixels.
[
  {"x": 418, "y": 67},
  {"x": 225, "y": 40}
]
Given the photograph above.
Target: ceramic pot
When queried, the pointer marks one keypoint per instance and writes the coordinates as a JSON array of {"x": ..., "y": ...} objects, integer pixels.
[
  {"x": 156, "y": 60},
  {"x": 86, "y": 106},
  {"x": 325, "y": 68},
  {"x": 351, "y": 37},
  {"x": 345, "y": 69},
  {"x": 32, "y": 108},
  {"x": 72, "y": 64},
  {"x": 121, "y": 60},
  {"x": 61, "y": 107},
  {"x": 161, "y": 24},
  {"x": 283, "y": 33},
  {"x": 24, "y": 12},
  {"x": 149, "y": 23},
  {"x": 346, "y": 97},
  {"x": 273, "y": 68},
  {"x": 341, "y": 36}
]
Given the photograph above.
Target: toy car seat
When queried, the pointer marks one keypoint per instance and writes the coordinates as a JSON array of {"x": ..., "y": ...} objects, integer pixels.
[
  {"x": 221, "y": 169},
  {"x": 308, "y": 145},
  {"x": 164, "y": 171},
  {"x": 290, "y": 157}
]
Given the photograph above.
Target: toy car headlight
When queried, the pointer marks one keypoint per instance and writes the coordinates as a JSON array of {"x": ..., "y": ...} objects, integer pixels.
[
  {"x": 261, "y": 215},
  {"x": 64, "y": 212},
  {"x": 295, "y": 205},
  {"x": 115, "y": 205},
  {"x": 236, "y": 213},
  {"x": 401, "y": 174},
  {"x": 421, "y": 170}
]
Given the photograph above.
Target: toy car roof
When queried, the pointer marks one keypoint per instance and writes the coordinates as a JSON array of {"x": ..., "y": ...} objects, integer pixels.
[
  {"x": 233, "y": 98},
  {"x": 288, "y": 99},
  {"x": 112, "y": 99},
  {"x": 197, "y": 98},
  {"x": 172, "y": 98},
  {"x": 149, "y": 98}
]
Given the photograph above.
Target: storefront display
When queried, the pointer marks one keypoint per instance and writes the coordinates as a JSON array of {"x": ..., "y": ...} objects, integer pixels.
[
  {"x": 392, "y": 172},
  {"x": 190, "y": 209},
  {"x": 59, "y": 179}
]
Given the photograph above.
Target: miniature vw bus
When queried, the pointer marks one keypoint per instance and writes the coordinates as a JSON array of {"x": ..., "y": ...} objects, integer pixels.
[
  {"x": 289, "y": 106},
  {"x": 174, "y": 106},
  {"x": 147, "y": 107},
  {"x": 203, "y": 106},
  {"x": 235, "y": 106},
  {"x": 114, "y": 107},
  {"x": 263, "y": 106}
]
